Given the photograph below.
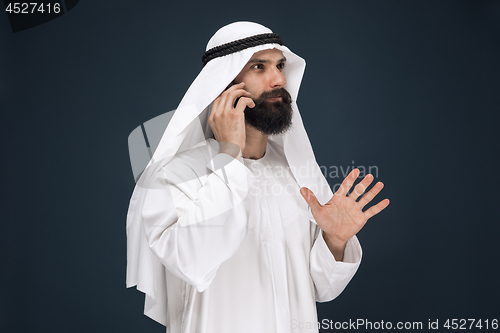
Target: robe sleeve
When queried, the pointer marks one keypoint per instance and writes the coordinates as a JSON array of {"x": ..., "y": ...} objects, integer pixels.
[
  {"x": 330, "y": 277},
  {"x": 194, "y": 223}
]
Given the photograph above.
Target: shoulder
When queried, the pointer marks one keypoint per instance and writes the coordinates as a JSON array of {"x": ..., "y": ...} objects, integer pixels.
[{"x": 191, "y": 163}]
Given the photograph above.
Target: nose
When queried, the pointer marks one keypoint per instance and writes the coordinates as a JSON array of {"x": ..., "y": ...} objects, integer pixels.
[{"x": 277, "y": 78}]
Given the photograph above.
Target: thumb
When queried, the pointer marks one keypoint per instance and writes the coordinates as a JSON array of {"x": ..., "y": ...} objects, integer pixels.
[{"x": 310, "y": 198}]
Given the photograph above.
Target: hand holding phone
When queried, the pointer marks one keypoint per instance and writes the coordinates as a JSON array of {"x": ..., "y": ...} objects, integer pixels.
[{"x": 227, "y": 118}]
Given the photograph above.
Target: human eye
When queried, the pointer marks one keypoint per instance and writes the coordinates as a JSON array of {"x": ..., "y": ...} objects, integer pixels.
[
  {"x": 281, "y": 66},
  {"x": 257, "y": 66}
]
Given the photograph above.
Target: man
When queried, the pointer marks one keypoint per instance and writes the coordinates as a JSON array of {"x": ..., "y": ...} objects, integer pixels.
[{"x": 225, "y": 234}]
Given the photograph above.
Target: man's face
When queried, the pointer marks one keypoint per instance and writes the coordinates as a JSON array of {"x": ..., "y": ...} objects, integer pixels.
[{"x": 265, "y": 79}]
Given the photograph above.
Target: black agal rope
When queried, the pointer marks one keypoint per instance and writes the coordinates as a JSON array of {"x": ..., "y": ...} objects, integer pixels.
[{"x": 239, "y": 45}]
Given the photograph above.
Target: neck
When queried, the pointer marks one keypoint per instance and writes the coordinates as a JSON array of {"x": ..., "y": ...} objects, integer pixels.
[{"x": 255, "y": 145}]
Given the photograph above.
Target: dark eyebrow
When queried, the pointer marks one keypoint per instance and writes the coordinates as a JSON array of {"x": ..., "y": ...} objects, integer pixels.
[{"x": 264, "y": 61}]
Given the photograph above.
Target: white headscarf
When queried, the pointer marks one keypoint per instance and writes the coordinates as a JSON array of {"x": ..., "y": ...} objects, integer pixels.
[{"x": 189, "y": 127}]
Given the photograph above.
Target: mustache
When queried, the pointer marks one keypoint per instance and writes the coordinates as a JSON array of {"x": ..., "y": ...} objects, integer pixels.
[{"x": 277, "y": 92}]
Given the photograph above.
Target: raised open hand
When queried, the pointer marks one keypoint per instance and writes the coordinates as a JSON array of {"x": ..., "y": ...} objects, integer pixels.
[{"x": 342, "y": 217}]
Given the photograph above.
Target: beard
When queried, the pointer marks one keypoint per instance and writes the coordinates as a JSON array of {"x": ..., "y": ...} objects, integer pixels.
[{"x": 271, "y": 118}]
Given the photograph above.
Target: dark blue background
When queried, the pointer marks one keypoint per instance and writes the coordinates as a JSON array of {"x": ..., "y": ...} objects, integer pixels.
[{"x": 411, "y": 87}]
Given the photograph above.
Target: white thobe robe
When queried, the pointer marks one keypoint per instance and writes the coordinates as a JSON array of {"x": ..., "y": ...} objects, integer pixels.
[{"x": 241, "y": 250}]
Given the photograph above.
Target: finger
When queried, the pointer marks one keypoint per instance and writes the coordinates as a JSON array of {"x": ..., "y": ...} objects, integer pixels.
[
  {"x": 236, "y": 86},
  {"x": 213, "y": 126},
  {"x": 233, "y": 88},
  {"x": 222, "y": 102},
  {"x": 225, "y": 101},
  {"x": 347, "y": 183},
  {"x": 368, "y": 196},
  {"x": 374, "y": 210},
  {"x": 243, "y": 103},
  {"x": 234, "y": 95},
  {"x": 215, "y": 105},
  {"x": 361, "y": 187},
  {"x": 211, "y": 118},
  {"x": 310, "y": 198},
  {"x": 222, "y": 98}
]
